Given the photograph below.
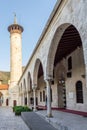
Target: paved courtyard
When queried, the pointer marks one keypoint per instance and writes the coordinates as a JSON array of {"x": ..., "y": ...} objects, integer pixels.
[
  {"x": 8, "y": 120},
  {"x": 65, "y": 121}
]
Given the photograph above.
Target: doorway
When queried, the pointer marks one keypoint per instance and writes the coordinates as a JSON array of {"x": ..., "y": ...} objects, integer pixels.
[
  {"x": 14, "y": 103},
  {"x": 1, "y": 99},
  {"x": 6, "y": 102},
  {"x": 61, "y": 94}
]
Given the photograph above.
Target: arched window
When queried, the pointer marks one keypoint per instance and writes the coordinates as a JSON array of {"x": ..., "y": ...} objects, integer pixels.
[
  {"x": 79, "y": 92},
  {"x": 70, "y": 63},
  {"x": 43, "y": 96},
  {"x": 40, "y": 96}
]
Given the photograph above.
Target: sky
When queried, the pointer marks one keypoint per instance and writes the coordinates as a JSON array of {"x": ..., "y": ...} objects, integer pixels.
[{"x": 32, "y": 15}]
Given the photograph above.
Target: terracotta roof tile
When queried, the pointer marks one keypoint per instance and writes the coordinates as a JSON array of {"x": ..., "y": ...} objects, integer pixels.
[{"x": 4, "y": 87}]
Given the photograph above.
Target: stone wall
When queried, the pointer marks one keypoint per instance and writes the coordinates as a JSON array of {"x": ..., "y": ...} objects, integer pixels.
[{"x": 69, "y": 12}]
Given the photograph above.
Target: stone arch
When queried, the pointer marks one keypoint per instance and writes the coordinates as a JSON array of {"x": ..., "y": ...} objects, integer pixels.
[
  {"x": 29, "y": 82},
  {"x": 54, "y": 46},
  {"x": 38, "y": 64}
]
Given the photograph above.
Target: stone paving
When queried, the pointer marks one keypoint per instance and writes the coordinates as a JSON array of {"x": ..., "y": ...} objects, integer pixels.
[
  {"x": 35, "y": 122},
  {"x": 65, "y": 121},
  {"x": 8, "y": 120}
]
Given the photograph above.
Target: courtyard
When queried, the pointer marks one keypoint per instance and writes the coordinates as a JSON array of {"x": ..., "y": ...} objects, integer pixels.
[{"x": 60, "y": 120}]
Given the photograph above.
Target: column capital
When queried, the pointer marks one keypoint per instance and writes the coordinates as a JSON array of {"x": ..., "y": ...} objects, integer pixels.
[
  {"x": 34, "y": 86},
  {"x": 48, "y": 78}
]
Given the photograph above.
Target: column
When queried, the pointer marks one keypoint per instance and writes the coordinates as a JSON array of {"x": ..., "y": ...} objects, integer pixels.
[
  {"x": 34, "y": 94},
  {"x": 48, "y": 85},
  {"x": 84, "y": 75},
  {"x": 28, "y": 99},
  {"x": 23, "y": 99}
]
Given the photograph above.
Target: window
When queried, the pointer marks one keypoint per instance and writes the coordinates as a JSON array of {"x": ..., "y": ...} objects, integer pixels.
[
  {"x": 25, "y": 100},
  {"x": 31, "y": 100},
  {"x": 40, "y": 96},
  {"x": 43, "y": 96},
  {"x": 70, "y": 63},
  {"x": 79, "y": 92}
]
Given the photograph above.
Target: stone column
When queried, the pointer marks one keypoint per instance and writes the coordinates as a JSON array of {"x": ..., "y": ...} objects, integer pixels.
[
  {"x": 85, "y": 75},
  {"x": 28, "y": 99},
  {"x": 48, "y": 86},
  {"x": 34, "y": 95},
  {"x": 23, "y": 99},
  {"x": 19, "y": 99}
]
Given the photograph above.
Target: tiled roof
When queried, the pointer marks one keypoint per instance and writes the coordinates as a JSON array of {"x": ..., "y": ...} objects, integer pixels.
[{"x": 4, "y": 87}]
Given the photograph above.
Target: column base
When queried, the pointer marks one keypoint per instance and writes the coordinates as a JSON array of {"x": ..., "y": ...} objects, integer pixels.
[
  {"x": 34, "y": 110},
  {"x": 49, "y": 116}
]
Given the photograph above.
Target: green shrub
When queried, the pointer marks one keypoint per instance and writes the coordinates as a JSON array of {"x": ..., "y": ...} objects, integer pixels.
[
  {"x": 26, "y": 109},
  {"x": 19, "y": 109},
  {"x": 16, "y": 107},
  {"x": 18, "y": 112}
]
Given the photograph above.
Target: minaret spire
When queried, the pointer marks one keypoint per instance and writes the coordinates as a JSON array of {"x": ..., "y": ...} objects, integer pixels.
[{"x": 15, "y": 18}]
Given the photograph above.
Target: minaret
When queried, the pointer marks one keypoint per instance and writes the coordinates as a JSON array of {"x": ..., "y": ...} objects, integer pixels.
[
  {"x": 15, "y": 61},
  {"x": 15, "y": 52}
]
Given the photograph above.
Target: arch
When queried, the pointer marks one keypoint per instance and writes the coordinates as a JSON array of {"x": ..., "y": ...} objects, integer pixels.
[
  {"x": 37, "y": 68},
  {"x": 29, "y": 82},
  {"x": 79, "y": 92},
  {"x": 57, "y": 44}
]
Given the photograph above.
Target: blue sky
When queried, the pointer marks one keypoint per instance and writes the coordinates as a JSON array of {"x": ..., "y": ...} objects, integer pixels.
[{"x": 32, "y": 15}]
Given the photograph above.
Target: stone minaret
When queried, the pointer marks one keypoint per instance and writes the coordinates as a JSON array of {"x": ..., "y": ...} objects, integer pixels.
[
  {"x": 15, "y": 60},
  {"x": 15, "y": 52}
]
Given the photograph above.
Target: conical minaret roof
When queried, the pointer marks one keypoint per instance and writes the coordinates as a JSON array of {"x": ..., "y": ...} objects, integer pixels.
[{"x": 15, "y": 27}]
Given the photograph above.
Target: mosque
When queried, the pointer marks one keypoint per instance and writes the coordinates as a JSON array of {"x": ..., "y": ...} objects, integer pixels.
[{"x": 56, "y": 73}]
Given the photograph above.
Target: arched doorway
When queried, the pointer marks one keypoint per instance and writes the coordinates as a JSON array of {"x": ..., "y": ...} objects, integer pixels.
[
  {"x": 1, "y": 99},
  {"x": 14, "y": 103},
  {"x": 7, "y": 101},
  {"x": 60, "y": 75},
  {"x": 66, "y": 63}
]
